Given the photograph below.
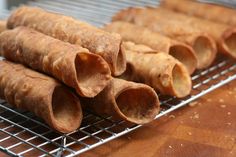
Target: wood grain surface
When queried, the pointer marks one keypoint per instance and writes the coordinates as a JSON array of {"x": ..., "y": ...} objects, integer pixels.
[{"x": 205, "y": 128}]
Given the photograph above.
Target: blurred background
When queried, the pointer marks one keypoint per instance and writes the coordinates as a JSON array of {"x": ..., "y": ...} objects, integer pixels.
[{"x": 6, "y": 4}]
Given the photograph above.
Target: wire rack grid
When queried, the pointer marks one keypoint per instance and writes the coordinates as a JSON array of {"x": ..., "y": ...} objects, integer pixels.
[{"x": 23, "y": 134}]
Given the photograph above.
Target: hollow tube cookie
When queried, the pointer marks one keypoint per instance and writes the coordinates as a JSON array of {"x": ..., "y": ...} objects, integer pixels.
[
  {"x": 203, "y": 10},
  {"x": 125, "y": 100},
  {"x": 176, "y": 25},
  {"x": 159, "y": 70},
  {"x": 86, "y": 72},
  {"x": 44, "y": 96},
  {"x": 73, "y": 31},
  {"x": 202, "y": 54}
]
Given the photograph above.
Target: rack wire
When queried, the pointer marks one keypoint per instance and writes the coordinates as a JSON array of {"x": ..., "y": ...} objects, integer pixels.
[{"x": 23, "y": 134}]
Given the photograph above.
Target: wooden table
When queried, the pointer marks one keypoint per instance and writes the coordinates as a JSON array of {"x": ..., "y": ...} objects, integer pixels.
[{"x": 205, "y": 128}]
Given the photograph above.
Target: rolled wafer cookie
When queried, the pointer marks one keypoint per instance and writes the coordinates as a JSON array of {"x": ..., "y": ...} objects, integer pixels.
[
  {"x": 73, "y": 31},
  {"x": 159, "y": 70},
  {"x": 44, "y": 96},
  {"x": 202, "y": 10},
  {"x": 134, "y": 102},
  {"x": 86, "y": 72}
]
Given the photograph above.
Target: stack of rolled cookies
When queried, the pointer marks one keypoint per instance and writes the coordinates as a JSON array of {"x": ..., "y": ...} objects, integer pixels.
[
  {"x": 62, "y": 66},
  {"x": 199, "y": 53},
  {"x": 171, "y": 38},
  {"x": 201, "y": 34}
]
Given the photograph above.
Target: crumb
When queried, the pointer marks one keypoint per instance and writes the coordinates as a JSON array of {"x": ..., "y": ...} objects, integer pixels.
[
  {"x": 192, "y": 104},
  {"x": 196, "y": 116},
  {"x": 229, "y": 113},
  {"x": 129, "y": 138},
  {"x": 230, "y": 92},
  {"x": 191, "y": 117},
  {"x": 190, "y": 133},
  {"x": 181, "y": 145},
  {"x": 221, "y": 101},
  {"x": 209, "y": 100},
  {"x": 171, "y": 116},
  {"x": 228, "y": 123},
  {"x": 170, "y": 147},
  {"x": 222, "y": 106}
]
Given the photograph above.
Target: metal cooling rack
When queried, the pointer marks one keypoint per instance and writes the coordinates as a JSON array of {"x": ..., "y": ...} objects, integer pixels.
[{"x": 23, "y": 134}]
